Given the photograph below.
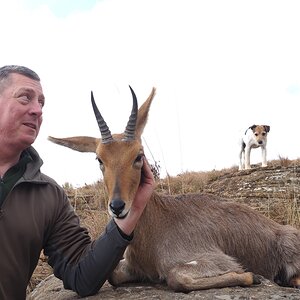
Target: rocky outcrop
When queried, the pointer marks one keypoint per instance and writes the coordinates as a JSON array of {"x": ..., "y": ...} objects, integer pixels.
[
  {"x": 274, "y": 191},
  {"x": 52, "y": 288}
]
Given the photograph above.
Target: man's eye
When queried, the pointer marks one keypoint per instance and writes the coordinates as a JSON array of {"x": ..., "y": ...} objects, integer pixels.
[{"x": 24, "y": 97}]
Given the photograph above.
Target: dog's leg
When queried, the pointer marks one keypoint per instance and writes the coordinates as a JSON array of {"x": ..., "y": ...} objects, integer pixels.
[
  {"x": 242, "y": 160},
  {"x": 242, "y": 155},
  {"x": 264, "y": 156},
  {"x": 247, "y": 157}
]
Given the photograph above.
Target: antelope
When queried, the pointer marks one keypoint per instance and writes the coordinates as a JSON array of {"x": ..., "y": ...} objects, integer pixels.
[{"x": 192, "y": 241}]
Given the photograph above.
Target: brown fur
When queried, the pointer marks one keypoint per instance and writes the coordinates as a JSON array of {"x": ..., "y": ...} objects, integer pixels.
[
  {"x": 190, "y": 241},
  {"x": 260, "y": 132}
]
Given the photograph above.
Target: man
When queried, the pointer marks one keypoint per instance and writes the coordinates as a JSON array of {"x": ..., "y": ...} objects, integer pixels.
[{"x": 35, "y": 212}]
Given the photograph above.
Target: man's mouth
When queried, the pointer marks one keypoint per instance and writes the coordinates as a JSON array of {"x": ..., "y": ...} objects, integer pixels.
[{"x": 31, "y": 125}]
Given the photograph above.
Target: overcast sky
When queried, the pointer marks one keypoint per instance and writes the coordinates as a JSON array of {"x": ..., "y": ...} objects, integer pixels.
[{"x": 218, "y": 66}]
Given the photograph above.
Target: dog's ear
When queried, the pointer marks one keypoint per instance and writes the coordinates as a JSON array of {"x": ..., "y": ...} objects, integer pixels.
[
  {"x": 267, "y": 128},
  {"x": 252, "y": 127}
]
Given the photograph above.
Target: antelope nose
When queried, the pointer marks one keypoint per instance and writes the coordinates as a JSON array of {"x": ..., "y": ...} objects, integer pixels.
[{"x": 117, "y": 206}]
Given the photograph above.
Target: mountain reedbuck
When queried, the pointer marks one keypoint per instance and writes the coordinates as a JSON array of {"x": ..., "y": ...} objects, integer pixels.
[{"x": 192, "y": 241}]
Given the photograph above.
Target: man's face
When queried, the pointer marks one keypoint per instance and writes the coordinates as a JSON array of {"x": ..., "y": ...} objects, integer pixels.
[{"x": 21, "y": 103}]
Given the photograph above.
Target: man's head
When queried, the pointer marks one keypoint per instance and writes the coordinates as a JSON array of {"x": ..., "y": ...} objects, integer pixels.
[
  {"x": 21, "y": 103},
  {"x": 10, "y": 69}
]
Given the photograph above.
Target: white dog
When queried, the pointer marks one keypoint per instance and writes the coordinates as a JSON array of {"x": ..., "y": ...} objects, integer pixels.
[{"x": 254, "y": 137}]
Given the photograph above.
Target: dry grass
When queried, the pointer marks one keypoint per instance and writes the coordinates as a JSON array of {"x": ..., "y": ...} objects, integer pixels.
[
  {"x": 90, "y": 205},
  {"x": 188, "y": 182},
  {"x": 90, "y": 201},
  {"x": 292, "y": 212},
  {"x": 284, "y": 162}
]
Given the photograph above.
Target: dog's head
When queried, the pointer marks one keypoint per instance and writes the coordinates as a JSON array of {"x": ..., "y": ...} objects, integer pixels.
[{"x": 260, "y": 133}]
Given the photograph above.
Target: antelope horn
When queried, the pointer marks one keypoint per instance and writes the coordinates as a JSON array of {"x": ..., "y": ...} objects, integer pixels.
[
  {"x": 106, "y": 136},
  {"x": 129, "y": 134}
]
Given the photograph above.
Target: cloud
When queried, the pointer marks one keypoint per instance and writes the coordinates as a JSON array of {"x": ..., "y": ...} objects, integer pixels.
[
  {"x": 218, "y": 66},
  {"x": 61, "y": 8},
  {"x": 294, "y": 89}
]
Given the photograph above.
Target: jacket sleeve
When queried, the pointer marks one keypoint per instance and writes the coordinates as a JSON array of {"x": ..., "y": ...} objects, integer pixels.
[{"x": 82, "y": 264}]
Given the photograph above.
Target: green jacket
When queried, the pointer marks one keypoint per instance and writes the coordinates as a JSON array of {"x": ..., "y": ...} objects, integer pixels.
[{"x": 35, "y": 215}]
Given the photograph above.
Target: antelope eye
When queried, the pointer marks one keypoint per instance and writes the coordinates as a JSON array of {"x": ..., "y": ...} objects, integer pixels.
[
  {"x": 100, "y": 164},
  {"x": 139, "y": 158},
  {"x": 99, "y": 160}
]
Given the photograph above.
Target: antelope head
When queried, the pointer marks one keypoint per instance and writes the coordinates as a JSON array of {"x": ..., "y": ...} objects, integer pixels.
[{"x": 120, "y": 155}]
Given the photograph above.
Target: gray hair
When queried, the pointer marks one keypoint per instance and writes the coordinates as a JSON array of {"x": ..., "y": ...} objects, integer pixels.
[{"x": 5, "y": 71}]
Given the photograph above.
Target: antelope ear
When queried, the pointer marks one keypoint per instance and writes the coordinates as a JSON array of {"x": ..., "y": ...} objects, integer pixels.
[
  {"x": 78, "y": 143},
  {"x": 143, "y": 114}
]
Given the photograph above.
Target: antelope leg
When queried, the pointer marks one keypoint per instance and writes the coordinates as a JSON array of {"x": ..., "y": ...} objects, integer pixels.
[
  {"x": 121, "y": 274},
  {"x": 183, "y": 281}
]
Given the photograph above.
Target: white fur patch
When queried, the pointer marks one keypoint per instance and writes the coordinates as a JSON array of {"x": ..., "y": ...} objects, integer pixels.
[{"x": 193, "y": 262}]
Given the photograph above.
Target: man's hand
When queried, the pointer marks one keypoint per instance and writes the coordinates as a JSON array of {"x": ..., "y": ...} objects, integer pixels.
[{"x": 143, "y": 195}]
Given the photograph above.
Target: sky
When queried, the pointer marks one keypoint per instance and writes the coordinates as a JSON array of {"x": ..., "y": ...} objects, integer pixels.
[{"x": 218, "y": 68}]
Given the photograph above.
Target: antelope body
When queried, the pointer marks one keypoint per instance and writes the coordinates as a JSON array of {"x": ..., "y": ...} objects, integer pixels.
[{"x": 191, "y": 241}]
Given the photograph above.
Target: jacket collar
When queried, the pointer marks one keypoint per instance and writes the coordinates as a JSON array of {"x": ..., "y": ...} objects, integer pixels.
[{"x": 33, "y": 167}]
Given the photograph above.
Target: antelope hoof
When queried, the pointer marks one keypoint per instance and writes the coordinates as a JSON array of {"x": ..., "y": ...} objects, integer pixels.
[{"x": 256, "y": 279}]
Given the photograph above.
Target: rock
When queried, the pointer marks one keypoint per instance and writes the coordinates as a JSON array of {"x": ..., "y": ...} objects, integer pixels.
[
  {"x": 52, "y": 288},
  {"x": 274, "y": 191}
]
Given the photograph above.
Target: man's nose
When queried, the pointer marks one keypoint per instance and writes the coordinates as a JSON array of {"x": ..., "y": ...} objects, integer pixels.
[{"x": 36, "y": 108}]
